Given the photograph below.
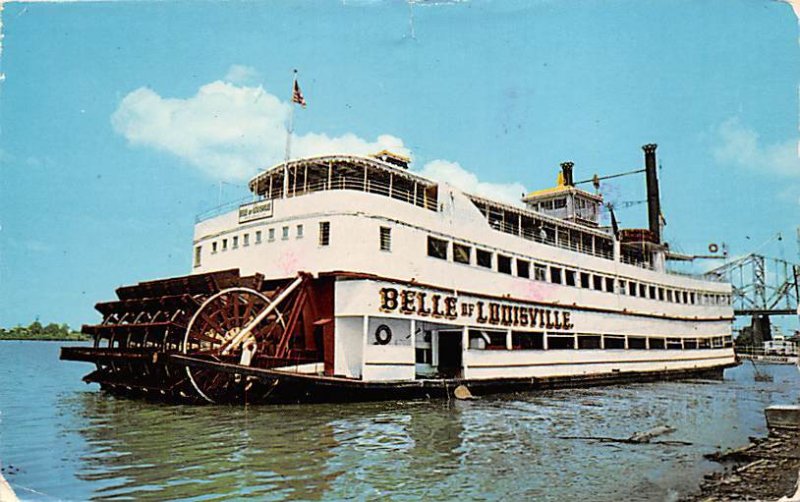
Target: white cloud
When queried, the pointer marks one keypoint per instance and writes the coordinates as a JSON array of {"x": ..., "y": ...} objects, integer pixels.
[
  {"x": 229, "y": 131},
  {"x": 741, "y": 146},
  {"x": 240, "y": 74},
  {"x": 454, "y": 174}
]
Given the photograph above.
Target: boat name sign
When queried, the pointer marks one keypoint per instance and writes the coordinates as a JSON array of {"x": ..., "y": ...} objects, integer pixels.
[
  {"x": 421, "y": 303},
  {"x": 255, "y": 211}
]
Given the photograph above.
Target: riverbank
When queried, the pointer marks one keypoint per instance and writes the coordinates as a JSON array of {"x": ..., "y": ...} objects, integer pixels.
[
  {"x": 765, "y": 469},
  {"x": 76, "y": 337}
]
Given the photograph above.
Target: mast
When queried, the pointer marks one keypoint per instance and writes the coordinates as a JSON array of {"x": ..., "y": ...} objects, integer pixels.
[{"x": 289, "y": 131}]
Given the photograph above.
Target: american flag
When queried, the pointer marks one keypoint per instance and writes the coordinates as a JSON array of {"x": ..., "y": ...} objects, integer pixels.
[{"x": 297, "y": 96}]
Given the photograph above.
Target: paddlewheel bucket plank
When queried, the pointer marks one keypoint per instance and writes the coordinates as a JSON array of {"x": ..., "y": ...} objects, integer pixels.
[{"x": 215, "y": 320}]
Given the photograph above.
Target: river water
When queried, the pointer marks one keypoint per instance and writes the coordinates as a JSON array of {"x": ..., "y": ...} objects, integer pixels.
[{"x": 61, "y": 439}]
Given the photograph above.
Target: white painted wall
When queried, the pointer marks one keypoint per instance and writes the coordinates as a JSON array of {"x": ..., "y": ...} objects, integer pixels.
[{"x": 348, "y": 348}]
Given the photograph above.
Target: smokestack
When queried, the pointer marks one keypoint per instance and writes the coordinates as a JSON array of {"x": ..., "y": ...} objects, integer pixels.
[
  {"x": 653, "y": 200},
  {"x": 566, "y": 171}
]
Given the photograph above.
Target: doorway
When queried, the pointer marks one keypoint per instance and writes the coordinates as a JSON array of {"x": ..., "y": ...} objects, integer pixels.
[{"x": 450, "y": 354}]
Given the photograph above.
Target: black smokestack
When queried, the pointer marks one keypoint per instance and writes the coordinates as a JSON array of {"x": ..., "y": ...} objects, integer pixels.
[
  {"x": 566, "y": 171},
  {"x": 653, "y": 200}
]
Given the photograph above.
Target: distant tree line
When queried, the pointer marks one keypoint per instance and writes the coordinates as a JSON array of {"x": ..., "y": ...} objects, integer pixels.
[{"x": 36, "y": 331}]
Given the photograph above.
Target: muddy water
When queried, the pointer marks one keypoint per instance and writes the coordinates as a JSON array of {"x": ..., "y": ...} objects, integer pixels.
[{"x": 63, "y": 440}]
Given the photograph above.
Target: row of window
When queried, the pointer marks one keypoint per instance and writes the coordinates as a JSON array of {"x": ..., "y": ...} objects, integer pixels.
[
  {"x": 243, "y": 240},
  {"x": 520, "y": 340},
  {"x": 462, "y": 253}
]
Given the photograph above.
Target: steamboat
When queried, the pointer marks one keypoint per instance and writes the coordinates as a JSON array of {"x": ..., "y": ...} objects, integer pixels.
[{"x": 352, "y": 278}]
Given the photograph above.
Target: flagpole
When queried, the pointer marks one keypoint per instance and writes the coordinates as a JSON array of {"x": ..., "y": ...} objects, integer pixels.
[{"x": 289, "y": 139}]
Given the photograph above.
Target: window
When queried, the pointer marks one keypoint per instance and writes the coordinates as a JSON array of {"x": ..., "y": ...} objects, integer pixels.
[
  {"x": 560, "y": 342},
  {"x": 585, "y": 280},
  {"x": 540, "y": 272},
  {"x": 652, "y": 292},
  {"x": 569, "y": 275},
  {"x": 555, "y": 275},
  {"x": 224, "y": 244},
  {"x": 423, "y": 356},
  {"x": 614, "y": 341},
  {"x": 197, "y": 251},
  {"x": 589, "y": 341},
  {"x": 214, "y": 247},
  {"x": 609, "y": 284},
  {"x": 670, "y": 298},
  {"x": 692, "y": 298},
  {"x": 246, "y": 240},
  {"x": 637, "y": 342},
  {"x": 661, "y": 294},
  {"x": 484, "y": 258},
  {"x": 437, "y": 248},
  {"x": 631, "y": 288},
  {"x": 504, "y": 264},
  {"x": 324, "y": 233},
  {"x": 523, "y": 268},
  {"x": 285, "y": 233},
  {"x": 559, "y": 203},
  {"x": 521, "y": 340},
  {"x": 271, "y": 234},
  {"x": 597, "y": 283},
  {"x": 386, "y": 239},
  {"x": 258, "y": 236},
  {"x": 685, "y": 297},
  {"x": 677, "y": 296},
  {"x": 462, "y": 253},
  {"x": 299, "y": 231},
  {"x": 487, "y": 340},
  {"x": 622, "y": 286},
  {"x": 657, "y": 343},
  {"x": 643, "y": 290},
  {"x": 235, "y": 241}
]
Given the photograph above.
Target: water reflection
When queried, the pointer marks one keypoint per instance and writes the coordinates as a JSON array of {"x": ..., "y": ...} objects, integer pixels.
[{"x": 504, "y": 446}]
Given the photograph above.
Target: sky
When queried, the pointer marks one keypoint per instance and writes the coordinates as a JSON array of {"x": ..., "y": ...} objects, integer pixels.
[{"x": 121, "y": 121}]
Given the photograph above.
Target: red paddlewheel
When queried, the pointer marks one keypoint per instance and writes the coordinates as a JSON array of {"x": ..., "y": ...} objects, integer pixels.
[{"x": 224, "y": 329}]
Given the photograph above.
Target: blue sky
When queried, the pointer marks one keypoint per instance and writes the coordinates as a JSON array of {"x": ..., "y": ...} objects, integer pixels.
[{"x": 119, "y": 120}]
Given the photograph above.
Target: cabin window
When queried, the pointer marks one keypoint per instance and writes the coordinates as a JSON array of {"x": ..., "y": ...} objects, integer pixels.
[
  {"x": 523, "y": 268},
  {"x": 521, "y": 340},
  {"x": 614, "y": 341},
  {"x": 685, "y": 297},
  {"x": 214, "y": 247},
  {"x": 637, "y": 342},
  {"x": 386, "y": 239},
  {"x": 657, "y": 343},
  {"x": 423, "y": 356},
  {"x": 197, "y": 251},
  {"x": 284, "y": 233},
  {"x": 324, "y": 233},
  {"x": 560, "y": 342},
  {"x": 585, "y": 280},
  {"x": 271, "y": 234},
  {"x": 437, "y": 248},
  {"x": 670, "y": 298},
  {"x": 540, "y": 272},
  {"x": 597, "y": 284},
  {"x": 504, "y": 264},
  {"x": 246, "y": 240},
  {"x": 609, "y": 284},
  {"x": 622, "y": 286},
  {"x": 632, "y": 288},
  {"x": 661, "y": 294},
  {"x": 224, "y": 244},
  {"x": 484, "y": 258},
  {"x": 555, "y": 275},
  {"x": 235, "y": 241},
  {"x": 569, "y": 276},
  {"x": 589, "y": 342},
  {"x": 487, "y": 340},
  {"x": 258, "y": 236},
  {"x": 463, "y": 254},
  {"x": 299, "y": 231},
  {"x": 643, "y": 290},
  {"x": 692, "y": 298},
  {"x": 652, "y": 290},
  {"x": 560, "y": 203},
  {"x": 690, "y": 343},
  {"x": 703, "y": 343}
]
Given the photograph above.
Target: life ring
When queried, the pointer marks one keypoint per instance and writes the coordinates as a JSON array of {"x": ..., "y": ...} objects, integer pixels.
[
  {"x": 713, "y": 248},
  {"x": 383, "y": 334}
]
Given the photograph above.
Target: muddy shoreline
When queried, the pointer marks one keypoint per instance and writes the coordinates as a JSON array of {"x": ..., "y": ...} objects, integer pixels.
[{"x": 765, "y": 469}]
